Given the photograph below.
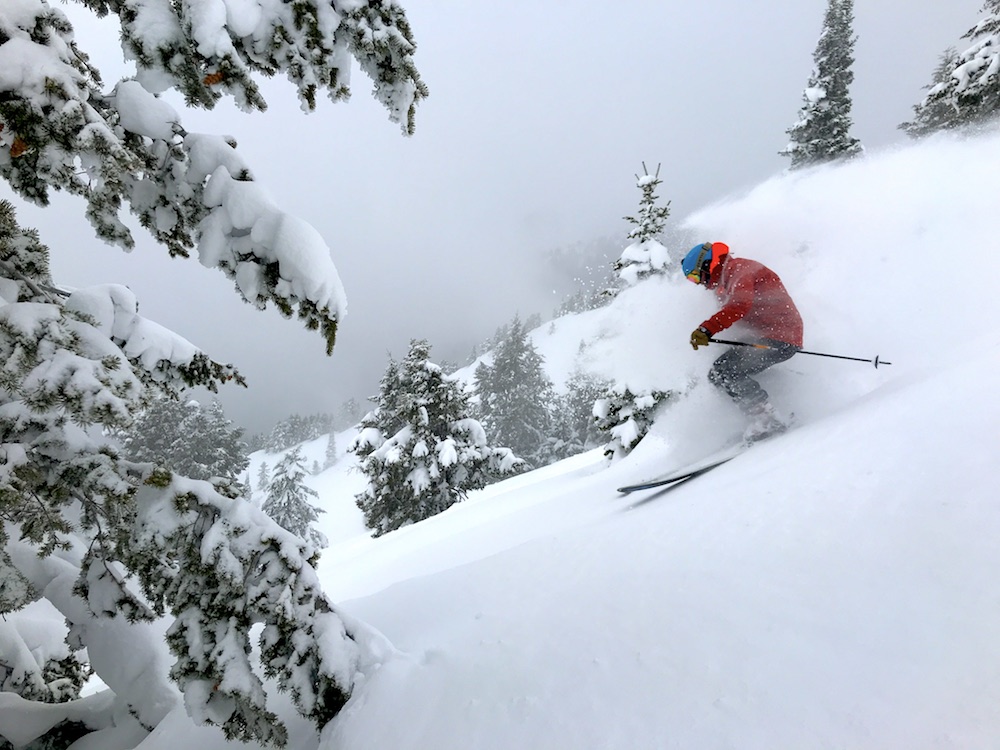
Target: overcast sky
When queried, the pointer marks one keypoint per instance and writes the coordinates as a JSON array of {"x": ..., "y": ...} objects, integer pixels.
[{"x": 539, "y": 116}]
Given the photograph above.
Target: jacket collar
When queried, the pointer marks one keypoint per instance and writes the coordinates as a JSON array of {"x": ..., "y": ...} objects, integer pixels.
[{"x": 715, "y": 278}]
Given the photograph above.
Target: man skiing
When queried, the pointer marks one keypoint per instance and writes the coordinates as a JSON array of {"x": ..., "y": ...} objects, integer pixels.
[{"x": 753, "y": 299}]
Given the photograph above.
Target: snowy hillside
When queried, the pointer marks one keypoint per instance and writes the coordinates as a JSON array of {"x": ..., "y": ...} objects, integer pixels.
[{"x": 834, "y": 587}]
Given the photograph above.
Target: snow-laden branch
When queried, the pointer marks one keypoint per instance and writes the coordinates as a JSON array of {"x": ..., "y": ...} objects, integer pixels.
[{"x": 59, "y": 130}]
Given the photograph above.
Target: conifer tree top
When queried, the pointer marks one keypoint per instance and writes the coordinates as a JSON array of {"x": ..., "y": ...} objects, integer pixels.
[{"x": 822, "y": 132}]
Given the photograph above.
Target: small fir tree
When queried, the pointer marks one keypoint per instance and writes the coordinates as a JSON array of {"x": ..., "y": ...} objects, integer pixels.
[
  {"x": 288, "y": 499},
  {"x": 330, "y": 456},
  {"x": 420, "y": 448},
  {"x": 263, "y": 477},
  {"x": 517, "y": 399},
  {"x": 966, "y": 85},
  {"x": 645, "y": 254},
  {"x": 822, "y": 132}
]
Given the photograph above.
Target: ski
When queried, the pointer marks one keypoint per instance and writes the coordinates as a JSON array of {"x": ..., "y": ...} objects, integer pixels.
[
  {"x": 697, "y": 468},
  {"x": 680, "y": 475}
]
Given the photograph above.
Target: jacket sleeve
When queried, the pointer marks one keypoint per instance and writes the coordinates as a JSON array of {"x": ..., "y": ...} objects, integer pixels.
[{"x": 740, "y": 302}]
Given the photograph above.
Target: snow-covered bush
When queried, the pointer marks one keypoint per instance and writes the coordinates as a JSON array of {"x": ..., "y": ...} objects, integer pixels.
[{"x": 626, "y": 417}]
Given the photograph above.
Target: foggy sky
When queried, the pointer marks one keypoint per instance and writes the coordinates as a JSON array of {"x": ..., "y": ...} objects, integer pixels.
[{"x": 539, "y": 116}]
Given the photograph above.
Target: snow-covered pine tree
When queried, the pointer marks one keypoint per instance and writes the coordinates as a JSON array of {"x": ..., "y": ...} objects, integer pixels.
[
  {"x": 576, "y": 426},
  {"x": 420, "y": 449},
  {"x": 933, "y": 114},
  {"x": 263, "y": 477},
  {"x": 966, "y": 87},
  {"x": 244, "y": 487},
  {"x": 348, "y": 415},
  {"x": 626, "y": 417},
  {"x": 78, "y": 363},
  {"x": 288, "y": 499},
  {"x": 190, "y": 439},
  {"x": 330, "y": 455},
  {"x": 823, "y": 130},
  {"x": 297, "y": 429},
  {"x": 645, "y": 254},
  {"x": 517, "y": 399}
]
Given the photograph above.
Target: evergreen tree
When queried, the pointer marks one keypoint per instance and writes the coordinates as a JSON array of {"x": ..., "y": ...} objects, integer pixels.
[
  {"x": 936, "y": 113},
  {"x": 245, "y": 488},
  {"x": 966, "y": 88},
  {"x": 86, "y": 358},
  {"x": 189, "y": 439},
  {"x": 645, "y": 255},
  {"x": 330, "y": 456},
  {"x": 349, "y": 415},
  {"x": 576, "y": 426},
  {"x": 626, "y": 417},
  {"x": 516, "y": 398},
  {"x": 297, "y": 429},
  {"x": 263, "y": 477},
  {"x": 420, "y": 449},
  {"x": 255, "y": 442},
  {"x": 822, "y": 132},
  {"x": 81, "y": 363},
  {"x": 288, "y": 501}
]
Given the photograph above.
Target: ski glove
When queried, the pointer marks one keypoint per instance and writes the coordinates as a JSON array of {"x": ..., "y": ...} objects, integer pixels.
[{"x": 699, "y": 337}]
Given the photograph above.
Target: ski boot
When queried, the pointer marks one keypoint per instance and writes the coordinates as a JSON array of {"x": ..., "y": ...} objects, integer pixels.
[{"x": 764, "y": 423}]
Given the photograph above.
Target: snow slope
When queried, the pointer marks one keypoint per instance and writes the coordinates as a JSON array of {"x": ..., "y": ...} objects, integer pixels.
[{"x": 832, "y": 588}]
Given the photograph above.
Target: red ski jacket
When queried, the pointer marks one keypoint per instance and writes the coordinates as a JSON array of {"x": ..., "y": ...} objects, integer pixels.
[{"x": 752, "y": 293}]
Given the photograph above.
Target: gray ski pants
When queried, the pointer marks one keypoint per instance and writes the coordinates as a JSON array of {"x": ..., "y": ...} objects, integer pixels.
[{"x": 733, "y": 371}]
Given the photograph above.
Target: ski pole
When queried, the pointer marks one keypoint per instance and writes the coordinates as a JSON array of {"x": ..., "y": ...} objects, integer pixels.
[{"x": 877, "y": 361}]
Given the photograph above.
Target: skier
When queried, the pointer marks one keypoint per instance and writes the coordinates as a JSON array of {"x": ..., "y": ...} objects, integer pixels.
[{"x": 753, "y": 298}]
